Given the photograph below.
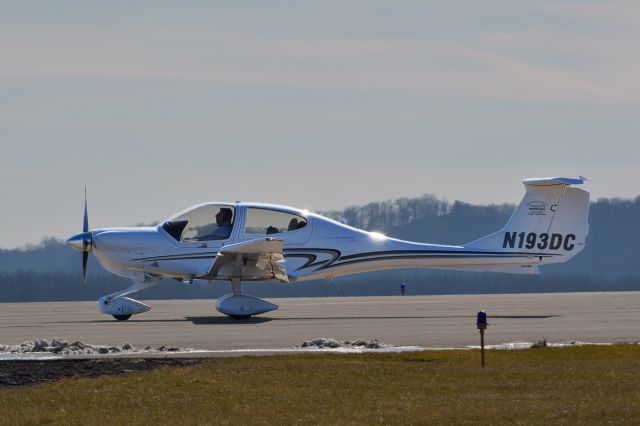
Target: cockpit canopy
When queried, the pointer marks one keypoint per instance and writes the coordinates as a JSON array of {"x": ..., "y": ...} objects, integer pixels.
[{"x": 216, "y": 222}]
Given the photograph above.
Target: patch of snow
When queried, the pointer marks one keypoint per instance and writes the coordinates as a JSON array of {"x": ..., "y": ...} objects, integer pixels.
[
  {"x": 539, "y": 344},
  {"x": 324, "y": 343},
  {"x": 60, "y": 347}
]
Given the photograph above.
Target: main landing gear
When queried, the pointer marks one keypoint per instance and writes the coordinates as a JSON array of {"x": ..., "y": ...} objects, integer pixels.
[
  {"x": 242, "y": 307},
  {"x": 122, "y": 317},
  {"x": 236, "y": 305}
]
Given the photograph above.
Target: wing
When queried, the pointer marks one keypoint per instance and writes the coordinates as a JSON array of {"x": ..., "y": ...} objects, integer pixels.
[{"x": 254, "y": 260}]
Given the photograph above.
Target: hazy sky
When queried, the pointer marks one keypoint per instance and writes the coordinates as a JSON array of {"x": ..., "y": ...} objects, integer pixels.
[{"x": 159, "y": 105}]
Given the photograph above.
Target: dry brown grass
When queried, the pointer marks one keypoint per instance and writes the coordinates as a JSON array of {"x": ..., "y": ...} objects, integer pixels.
[{"x": 582, "y": 385}]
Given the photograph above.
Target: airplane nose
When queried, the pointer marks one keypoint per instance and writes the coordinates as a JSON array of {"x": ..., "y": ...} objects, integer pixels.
[{"x": 81, "y": 241}]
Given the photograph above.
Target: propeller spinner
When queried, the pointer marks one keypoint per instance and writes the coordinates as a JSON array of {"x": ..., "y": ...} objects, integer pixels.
[{"x": 83, "y": 241}]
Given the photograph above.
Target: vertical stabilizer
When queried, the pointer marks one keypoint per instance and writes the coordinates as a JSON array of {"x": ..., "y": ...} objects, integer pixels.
[{"x": 551, "y": 220}]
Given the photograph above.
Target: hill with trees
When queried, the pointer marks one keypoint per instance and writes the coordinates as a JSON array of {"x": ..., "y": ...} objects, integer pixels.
[{"x": 51, "y": 270}]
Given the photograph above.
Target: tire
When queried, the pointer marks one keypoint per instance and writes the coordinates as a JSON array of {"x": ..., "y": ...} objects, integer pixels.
[
  {"x": 240, "y": 317},
  {"x": 122, "y": 317}
]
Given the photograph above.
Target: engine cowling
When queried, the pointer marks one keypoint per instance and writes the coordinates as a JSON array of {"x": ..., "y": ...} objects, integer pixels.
[
  {"x": 121, "y": 306},
  {"x": 243, "y": 306}
]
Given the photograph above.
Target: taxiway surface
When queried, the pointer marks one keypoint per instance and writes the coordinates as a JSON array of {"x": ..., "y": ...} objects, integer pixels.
[{"x": 428, "y": 321}]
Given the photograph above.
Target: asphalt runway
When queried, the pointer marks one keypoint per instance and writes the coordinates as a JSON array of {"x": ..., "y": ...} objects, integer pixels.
[{"x": 428, "y": 321}]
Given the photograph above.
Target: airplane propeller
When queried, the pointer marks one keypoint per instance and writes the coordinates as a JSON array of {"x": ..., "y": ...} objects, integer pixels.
[{"x": 83, "y": 241}]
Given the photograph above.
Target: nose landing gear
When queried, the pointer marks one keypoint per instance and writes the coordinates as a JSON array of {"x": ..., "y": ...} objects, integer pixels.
[{"x": 121, "y": 307}]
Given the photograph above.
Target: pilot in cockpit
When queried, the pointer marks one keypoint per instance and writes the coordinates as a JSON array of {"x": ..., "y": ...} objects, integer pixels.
[{"x": 223, "y": 220}]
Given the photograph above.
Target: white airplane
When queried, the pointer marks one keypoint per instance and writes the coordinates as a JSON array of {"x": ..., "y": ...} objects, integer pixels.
[{"x": 240, "y": 241}]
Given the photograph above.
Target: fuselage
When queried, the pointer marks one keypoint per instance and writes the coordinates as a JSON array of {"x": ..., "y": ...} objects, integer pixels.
[
  {"x": 314, "y": 246},
  {"x": 238, "y": 242}
]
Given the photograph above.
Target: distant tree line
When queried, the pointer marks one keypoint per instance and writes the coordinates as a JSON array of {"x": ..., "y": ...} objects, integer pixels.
[{"x": 51, "y": 271}]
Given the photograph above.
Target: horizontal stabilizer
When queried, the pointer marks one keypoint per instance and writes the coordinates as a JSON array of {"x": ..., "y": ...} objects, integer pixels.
[
  {"x": 506, "y": 269},
  {"x": 554, "y": 181}
]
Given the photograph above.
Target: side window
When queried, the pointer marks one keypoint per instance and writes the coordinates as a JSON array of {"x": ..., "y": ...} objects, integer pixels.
[{"x": 267, "y": 222}]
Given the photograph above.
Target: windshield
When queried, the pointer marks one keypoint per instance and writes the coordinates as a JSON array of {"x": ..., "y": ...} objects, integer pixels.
[{"x": 202, "y": 223}]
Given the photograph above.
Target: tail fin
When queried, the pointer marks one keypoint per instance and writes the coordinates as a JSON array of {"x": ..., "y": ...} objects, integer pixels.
[{"x": 551, "y": 222}]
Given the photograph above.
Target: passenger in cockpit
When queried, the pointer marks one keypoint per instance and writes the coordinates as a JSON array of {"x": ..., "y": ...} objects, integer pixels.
[{"x": 293, "y": 224}]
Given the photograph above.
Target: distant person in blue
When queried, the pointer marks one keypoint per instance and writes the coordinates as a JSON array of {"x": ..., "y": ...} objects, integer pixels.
[
  {"x": 402, "y": 288},
  {"x": 223, "y": 220}
]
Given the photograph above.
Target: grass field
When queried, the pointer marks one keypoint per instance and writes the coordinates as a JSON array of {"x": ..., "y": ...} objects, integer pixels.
[{"x": 579, "y": 385}]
